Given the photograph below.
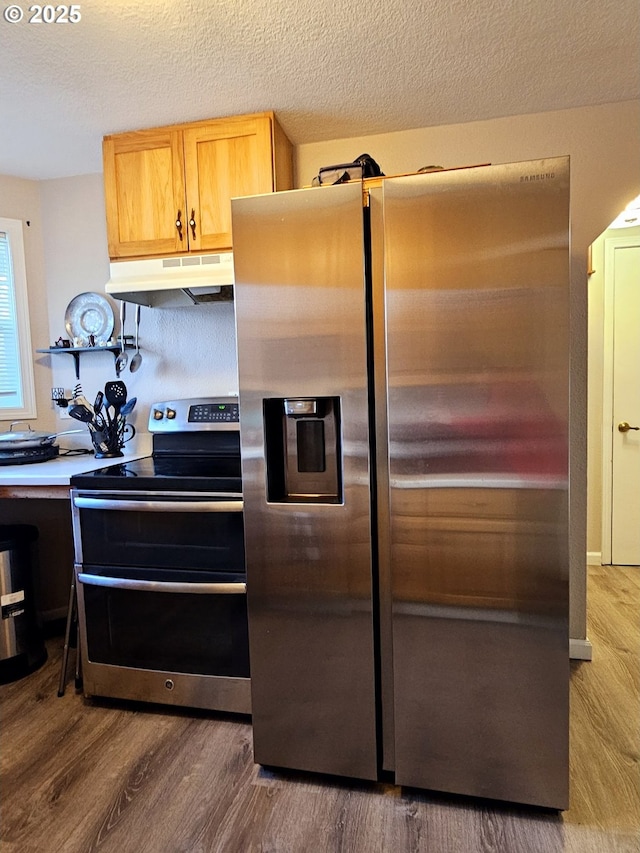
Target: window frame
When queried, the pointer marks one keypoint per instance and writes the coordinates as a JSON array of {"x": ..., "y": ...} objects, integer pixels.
[{"x": 14, "y": 230}]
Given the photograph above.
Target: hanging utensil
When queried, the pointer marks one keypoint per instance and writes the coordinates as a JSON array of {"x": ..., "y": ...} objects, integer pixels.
[
  {"x": 136, "y": 361},
  {"x": 123, "y": 358}
]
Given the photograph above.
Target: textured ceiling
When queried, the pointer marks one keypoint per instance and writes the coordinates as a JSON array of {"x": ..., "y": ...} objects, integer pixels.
[{"x": 328, "y": 69}]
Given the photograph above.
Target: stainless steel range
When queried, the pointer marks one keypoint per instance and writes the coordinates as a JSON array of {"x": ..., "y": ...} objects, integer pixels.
[{"x": 160, "y": 571}]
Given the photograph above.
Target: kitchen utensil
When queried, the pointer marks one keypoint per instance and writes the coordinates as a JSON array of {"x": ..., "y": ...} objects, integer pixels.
[
  {"x": 100, "y": 421},
  {"x": 89, "y": 314},
  {"x": 136, "y": 361},
  {"x": 29, "y": 438},
  {"x": 81, "y": 400},
  {"x": 82, "y": 413},
  {"x": 115, "y": 394},
  {"x": 128, "y": 407},
  {"x": 101, "y": 442},
  {"x": 123, "y": 358}
]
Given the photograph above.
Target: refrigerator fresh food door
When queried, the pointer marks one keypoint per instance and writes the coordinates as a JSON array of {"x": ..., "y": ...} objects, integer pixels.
[
  {"x": 477, "y": 299},
  {"x": 302, "y": 356}
]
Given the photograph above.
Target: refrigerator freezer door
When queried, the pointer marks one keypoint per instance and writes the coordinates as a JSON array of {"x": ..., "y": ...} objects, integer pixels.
[
  {"x": 300, "y": 309},
  {"x": 477, "y": 278}
]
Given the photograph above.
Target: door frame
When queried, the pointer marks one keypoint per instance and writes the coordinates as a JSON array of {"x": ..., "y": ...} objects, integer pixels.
[{"x": 610, "y": 246}]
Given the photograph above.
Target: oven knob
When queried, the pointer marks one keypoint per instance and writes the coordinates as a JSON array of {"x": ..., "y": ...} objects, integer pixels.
[
  {"x": 171, "y": 414},
  {"x": 157, "y": 414},
  {"x": 169, "y": 684}
]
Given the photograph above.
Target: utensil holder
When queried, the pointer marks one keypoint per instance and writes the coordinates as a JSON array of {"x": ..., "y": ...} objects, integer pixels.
[
  {"x": 108, "y": 443},
  {"x": 108, "y": 454}
]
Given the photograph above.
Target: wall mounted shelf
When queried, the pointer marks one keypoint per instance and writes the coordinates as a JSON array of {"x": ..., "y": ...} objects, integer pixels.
[{"x": 76, "y": 352}]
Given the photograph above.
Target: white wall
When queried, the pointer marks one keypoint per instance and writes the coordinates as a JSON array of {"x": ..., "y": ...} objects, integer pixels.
[{"x": 603, "y": 143}]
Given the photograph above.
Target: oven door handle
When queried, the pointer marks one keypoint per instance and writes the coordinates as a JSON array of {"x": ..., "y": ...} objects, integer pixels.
[
  {"x": 164, "y": 586},
  {"x": 157, "y": 505}
]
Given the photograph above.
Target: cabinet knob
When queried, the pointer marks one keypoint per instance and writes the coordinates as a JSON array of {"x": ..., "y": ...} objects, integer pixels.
[
  {"x": 179, "y": 223},
  {"x": 192, "y": 223}
]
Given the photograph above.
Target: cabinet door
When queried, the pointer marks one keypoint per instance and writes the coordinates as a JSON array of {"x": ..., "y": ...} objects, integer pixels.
[
  {"x": 224, "y": 159},
  {"x": 144, "y": 193}
]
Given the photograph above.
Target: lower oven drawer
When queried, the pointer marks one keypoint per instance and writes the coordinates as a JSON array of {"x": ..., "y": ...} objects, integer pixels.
[{"x": 142, "y": 622}]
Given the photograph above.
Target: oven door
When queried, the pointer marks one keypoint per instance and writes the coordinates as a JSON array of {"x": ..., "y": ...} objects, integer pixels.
[
  {"x": 170, "y": 626},
  {"x": 169, "y": 530}
]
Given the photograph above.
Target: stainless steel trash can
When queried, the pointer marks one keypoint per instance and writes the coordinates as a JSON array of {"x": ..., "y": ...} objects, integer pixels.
[{"x": 22, "y": 648}]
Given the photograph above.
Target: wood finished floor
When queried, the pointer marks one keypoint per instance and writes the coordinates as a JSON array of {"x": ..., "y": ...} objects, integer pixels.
[{"x": 79, "y": 776}]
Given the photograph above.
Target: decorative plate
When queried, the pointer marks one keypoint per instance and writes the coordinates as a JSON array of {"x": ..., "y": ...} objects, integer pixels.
[{"x": 89, "y": 314}]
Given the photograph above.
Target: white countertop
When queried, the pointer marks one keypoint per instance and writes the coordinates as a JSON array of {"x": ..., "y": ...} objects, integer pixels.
[{"x": 59, "y": 470}]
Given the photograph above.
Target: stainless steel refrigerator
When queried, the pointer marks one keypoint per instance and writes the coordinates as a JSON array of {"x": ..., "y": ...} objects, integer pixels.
[{"x": 404, "y": 374}]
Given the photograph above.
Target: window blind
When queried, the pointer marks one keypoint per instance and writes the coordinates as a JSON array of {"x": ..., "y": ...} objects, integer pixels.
[{"x": 10, "y": 375}]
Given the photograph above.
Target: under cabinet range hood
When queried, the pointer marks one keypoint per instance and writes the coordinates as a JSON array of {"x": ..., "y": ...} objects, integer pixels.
[{"x": 173, "y": 282}]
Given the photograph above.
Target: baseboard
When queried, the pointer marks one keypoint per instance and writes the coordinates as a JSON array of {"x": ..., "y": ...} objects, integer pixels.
[
  {"x": 594, "y": 558},
  {"x": 580, "y": 649}
]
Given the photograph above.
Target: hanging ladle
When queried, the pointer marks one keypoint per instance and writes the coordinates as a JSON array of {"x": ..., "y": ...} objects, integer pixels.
[
  {"x": 123, "y": 358},
  {"x": 136, "y": 361}
]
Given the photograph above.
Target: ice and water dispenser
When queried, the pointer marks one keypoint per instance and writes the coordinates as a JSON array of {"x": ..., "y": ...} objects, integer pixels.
[{"x": 303, "y": 453}]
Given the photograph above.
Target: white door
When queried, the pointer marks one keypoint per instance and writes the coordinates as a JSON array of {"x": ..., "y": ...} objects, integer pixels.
[{"x": 622, "y": 283}]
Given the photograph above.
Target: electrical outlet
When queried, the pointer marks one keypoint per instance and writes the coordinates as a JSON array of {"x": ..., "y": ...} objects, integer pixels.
[{"x": 60, "y": 402}]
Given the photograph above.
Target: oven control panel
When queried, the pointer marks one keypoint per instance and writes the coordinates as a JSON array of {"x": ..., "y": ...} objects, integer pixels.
[
  {"x": 214, "y": 413},
  {"x": 195, "y": 414}
]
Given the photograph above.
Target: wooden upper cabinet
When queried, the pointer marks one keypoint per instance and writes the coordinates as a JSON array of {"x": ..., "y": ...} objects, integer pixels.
[
  {"x": 144, "y": 193},
  {"x": 188, "y": 174}
]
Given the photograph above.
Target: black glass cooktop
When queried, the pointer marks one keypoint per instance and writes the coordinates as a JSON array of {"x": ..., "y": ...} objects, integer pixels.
[{"x": 173, "y": 473}]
